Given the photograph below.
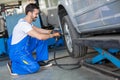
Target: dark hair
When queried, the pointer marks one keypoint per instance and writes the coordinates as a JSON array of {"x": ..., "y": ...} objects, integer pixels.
[{"x": 30, "y": 7}]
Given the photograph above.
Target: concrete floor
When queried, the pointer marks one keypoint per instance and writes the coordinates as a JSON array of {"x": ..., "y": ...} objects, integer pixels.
[{"x": 55, "y": 73}]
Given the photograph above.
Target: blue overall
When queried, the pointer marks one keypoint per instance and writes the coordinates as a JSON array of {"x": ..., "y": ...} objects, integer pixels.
[{"x": 21, "y": 54}]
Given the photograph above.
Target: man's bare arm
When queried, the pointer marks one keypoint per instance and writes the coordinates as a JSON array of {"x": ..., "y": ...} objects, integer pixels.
[
  {"x": 40, "y": 30},
  {"x": 41, "y": 36}
]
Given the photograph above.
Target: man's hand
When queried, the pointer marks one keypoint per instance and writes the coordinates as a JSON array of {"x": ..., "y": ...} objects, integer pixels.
[{"x": 56, "y": 34}]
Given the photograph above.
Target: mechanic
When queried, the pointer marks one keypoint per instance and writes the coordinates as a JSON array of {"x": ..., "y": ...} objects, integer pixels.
[{"x": 25, "y": 39}]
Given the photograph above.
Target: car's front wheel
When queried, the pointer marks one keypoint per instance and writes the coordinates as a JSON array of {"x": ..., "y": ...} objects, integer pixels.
[{"x": 69, "y": 35}]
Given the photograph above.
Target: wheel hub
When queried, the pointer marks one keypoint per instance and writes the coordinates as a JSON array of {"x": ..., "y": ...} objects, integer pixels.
[{"x": 68, "y": 37}]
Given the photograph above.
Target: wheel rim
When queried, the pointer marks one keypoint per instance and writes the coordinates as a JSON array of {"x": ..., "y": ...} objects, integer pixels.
[{"x": 67, "y": 36}]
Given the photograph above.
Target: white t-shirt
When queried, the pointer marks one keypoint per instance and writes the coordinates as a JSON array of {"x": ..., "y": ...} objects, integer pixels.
[{"x": 20, "y": 31}]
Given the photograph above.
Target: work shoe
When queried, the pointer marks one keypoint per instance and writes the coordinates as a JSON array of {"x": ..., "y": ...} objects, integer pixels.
[
  {"x": 10, "y": 70},
  {"x": 44, "y": 64}
]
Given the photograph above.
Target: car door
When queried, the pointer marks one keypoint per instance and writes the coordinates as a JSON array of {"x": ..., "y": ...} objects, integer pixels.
[
  {"x": 88, "y": 18},
  {"x": 111, "y": 13}
]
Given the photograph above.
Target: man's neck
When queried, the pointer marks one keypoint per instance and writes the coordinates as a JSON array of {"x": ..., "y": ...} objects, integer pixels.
[{"x": 28, "y": 19}]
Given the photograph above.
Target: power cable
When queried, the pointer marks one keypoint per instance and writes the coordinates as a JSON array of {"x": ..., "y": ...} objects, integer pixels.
[{"x": 76, "y": 65}]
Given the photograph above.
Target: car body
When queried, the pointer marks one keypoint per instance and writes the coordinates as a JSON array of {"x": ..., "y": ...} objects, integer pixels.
[{"x": 80, "y": 17}]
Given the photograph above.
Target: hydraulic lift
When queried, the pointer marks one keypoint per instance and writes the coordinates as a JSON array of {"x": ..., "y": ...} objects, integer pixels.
[{"x": 107, "y": 47}]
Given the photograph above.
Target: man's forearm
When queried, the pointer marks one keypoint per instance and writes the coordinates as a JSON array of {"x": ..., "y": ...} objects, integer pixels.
[
  {"x": 45, "y": 31},
  {"x": 42, "y": 30}
]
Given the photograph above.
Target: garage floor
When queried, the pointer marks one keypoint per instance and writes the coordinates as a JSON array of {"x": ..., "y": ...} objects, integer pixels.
[{"x": 55, "y": 73}]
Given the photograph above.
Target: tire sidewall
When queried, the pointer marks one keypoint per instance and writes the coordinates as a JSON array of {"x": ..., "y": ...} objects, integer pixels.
[{"x": 75, "y": 52}]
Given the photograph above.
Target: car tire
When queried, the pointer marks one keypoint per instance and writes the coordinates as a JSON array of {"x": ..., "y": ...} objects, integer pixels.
[{"x": 70, "y": 34}]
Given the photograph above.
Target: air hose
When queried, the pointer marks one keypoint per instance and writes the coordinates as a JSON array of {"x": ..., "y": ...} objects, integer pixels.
[{"x": 62, "y": 66}]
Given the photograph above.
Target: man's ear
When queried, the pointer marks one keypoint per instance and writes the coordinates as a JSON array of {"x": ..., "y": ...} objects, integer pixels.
[{"x": 29, "y": 13}]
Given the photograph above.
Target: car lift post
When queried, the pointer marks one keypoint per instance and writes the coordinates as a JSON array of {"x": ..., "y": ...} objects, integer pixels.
[
  {"x": 102, "y": 54},
  {"x": 107, "y": 48}
]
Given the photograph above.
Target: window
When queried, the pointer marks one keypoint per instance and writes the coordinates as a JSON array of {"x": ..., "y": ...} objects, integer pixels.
[
  {"x": 79, "y": 4},
  {"x": 51, "y": 3}
]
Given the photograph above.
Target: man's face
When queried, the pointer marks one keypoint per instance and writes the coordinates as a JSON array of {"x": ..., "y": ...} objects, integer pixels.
[{"x": 34, "y": 14}]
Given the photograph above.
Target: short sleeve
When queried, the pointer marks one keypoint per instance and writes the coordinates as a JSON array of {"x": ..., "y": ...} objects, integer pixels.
[{"x": 26, "y": 27}]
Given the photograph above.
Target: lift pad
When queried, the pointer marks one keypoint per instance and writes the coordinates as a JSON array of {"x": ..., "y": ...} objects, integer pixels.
[{"x": 107, "y": 48}]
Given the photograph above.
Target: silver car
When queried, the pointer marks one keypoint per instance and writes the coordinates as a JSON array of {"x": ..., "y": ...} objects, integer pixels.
[{"x": 80, "y": 18}]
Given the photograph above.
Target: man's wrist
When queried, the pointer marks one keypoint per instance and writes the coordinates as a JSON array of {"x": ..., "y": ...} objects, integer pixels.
[
  {"x": 51, "y": 36},
  {"x": 52, "y": 31}
]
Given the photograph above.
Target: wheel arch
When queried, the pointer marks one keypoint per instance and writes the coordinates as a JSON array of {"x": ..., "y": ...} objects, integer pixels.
[{"x": 61, "y": 12}]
